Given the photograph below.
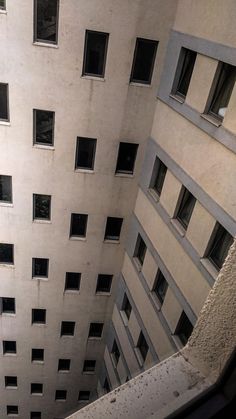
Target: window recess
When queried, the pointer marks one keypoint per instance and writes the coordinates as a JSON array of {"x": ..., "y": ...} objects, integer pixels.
[
  {"x": 143, "y": 61},
  {"x": 184, "y": 72}
]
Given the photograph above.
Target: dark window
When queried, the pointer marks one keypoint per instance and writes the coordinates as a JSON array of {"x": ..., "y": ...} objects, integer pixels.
[
  {"x": 95, "y": 330},
  {"x": 38, "y": 315},
  {"x": 2, "y": 4},
  {"x": 89, "y": 365},
  {"x": 126, "y": 306},
  {"x": 184, "y": 328},
  {"x": 60, "y": 395},
  {"x": 95, "y": 51},
  {"x": 140, "y": 250},
  {"x": 126, "y": 158},
  {"x": 115, "y": 352},
  {"x": 113, "y": 228},
  {"x": 4, "y": 102},
  {"x": 184, "y": 72},
  {"x": 10, "y": 381},
  {"x": 78, "y": 225},
  {"x": 36, "y": 388},
  {"x": 160, "y": 286},
  {"x": 84, "y": 396},
  {"x": 143, "y": 62},
  {"x": 106, "y": 386},
  {"x": 42, "y": 207},
  {"x": 72, "y": 281},
  {"x": 158, "y": 176},
  {"x": 220, "y": 243},
  {"x": 12, "y": 410},
  {"x": 142, "y": 346},
  {"x": 6, "y": 253},
  {"x": 7, "y": 305},
  {"x": 40, "y": 267},
  {"x": 35, "y": 415},
  {"x": 5, "y": 188},
  {"x": 37, "y": 355},
  {"x": 85, "y": 153},
  {"x": 224, "y": 83},
  {"x": 67, "y": 328},
  {"x": 9, "y": 347},
  {"x": 44, "y": 127},
  {"x": 104, "y": 283},
  {"x": 64, "y": 365},
  {"x": 185, "y": 209},
  {"x": 46, "y": 20}
]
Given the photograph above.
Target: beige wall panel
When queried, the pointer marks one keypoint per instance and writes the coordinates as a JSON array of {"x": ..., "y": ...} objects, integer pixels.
[
  {"x": 149, "y": 269},
  {"x": 170, "y": 193},
  {"x": 171, "y": 309},
  {"x": 134, "y": 327}
]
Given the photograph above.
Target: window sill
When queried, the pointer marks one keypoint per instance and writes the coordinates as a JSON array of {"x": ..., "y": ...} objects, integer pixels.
[
  {"x": 177, "y": 98},
  {"x": 154, "y": 194},
  {"x": 72, "y": 292},
  {"x": 67, "y": 336},
  {"x": 139, "y": 356},
  {"x": 38, "y": 362},
  {"x": 39, "y": 221},
  {"x": 96, "y": 78},
  {"x": 11, "y": 387},
  {"x": 178, "y": 227},
  {"x": 41, "y": 278},
  {"x": 105, "y": 294},
  {"x": 94, "y": 338},
  {"x": 137, "y": 84},
  {"x": 3, "y": 12},
  {"x": 124, "y": 318},
  {"x": 45, "y": 44},
  {"x": 8, "y": 314},
  {"x": 44, "y": 147},
  {"x": 6, "y": 123},
  {"x": 88, "y": 372},
  {"x": 124, "y": 175},
  {"x": 38, "y": 324},
  {"x": 209, "y": 267},
  {"x": 84, "y": 171},
  {"x": 60, "y": 401},
  {"x": 7, "y": 265},
  {"x": 9, "y": 354},
  {"x": 6, "y": 204},
  {"x": 63, "y": 372},
  {"x": 111, "y": 241},
  {"x": 211, "y": 119},
  {"x": 77, "y": 238}
]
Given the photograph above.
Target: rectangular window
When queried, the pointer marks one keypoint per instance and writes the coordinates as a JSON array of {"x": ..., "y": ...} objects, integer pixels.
[
  {"x": 113, "y": 228},
  {"x": 95, "y": 330},
  {"x": 126, "y": 158},
  {"x": 41, "y": 207},
  {"x": 12, "y": 410},
  {"x": 4, "y": 114},
  {"x": 6, "y": 253},
  {"x": 72, "y": 281},
  {"x": 85, "y": 153},
  {"x": 40, "y": 267},
  {"x": 36, "y": 388},
  {"x": 64, "y": 365},
  {"x": 140, "y": 250},
  {"x": 115, "y": 353},
  {"x": 95, "y": 51},
  {"x": 185, "y": 207},
  {"x": 84, "y": 396},
  {"x": 46, "y": 21},
  {"x": 37, "y": 355},
  {"x": 89, "y": 365},
  {"x": 104, "y": 283},
  {"x": 126, "y": 307},
  {"x": 67, "y": 328},
  {"x": 184, "y": 328},
  {"x": 142, "y": 346},
  {"x": 143, "y": 61},
  {"x": 2, "y": 5},
  {"x": 78, "y": 225},
  {"x": 223, "y": 85},
  {"x": 10, "y": 381},
  {"x": 35, "y": 415},
  {"x": 184, "y": 72},
  {"x": 38, "y": 316},
  {"x": 9, "y": 347},
  {"x": 60, "y": 395},
  {"x": 7, "y": 305},
  {"x": 160, "y": 286},
  {"x": 44, "y": 127},
  {"x": 158, "y": 176},
  {"x": 5, "y": 188},
  {"x": 220, "y": 243}
]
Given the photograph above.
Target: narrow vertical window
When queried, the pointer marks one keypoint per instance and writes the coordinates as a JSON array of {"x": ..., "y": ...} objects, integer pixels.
[
  {"x": 115, "y": 353},
  {"x": 143, "y": 62},
  {"x": 142, "y": 346},
  {"x": 43, "y": 127},
  {"x": 158, "y": 176},
  {"x": 95, "y": 51},
  {"x": 184, "y": 328},
  {"x": 5, "y": 189},
  {"x": 41, "y": 207},
  {"x": 140, "y": 250},
  {"x": 160, "y": 286},
  {"x": 46, "y": 21},
  {"x": 185, "y": 208},
  {"x": 184, "y": 72},
  {"x": 126, "y": 307},
  {"x": 4, "y": 114},
  {"x": 85, "y": 153},
  {"x": 220, "y": 243}
]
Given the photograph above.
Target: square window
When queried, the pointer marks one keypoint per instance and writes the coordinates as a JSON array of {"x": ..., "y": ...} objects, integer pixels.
[
  {"x": 36, "y": 388},
  {"x": 37, "y": 355},
  {"x": 126, "y": 158},
  {"x": 67, "y": 328},
  {"x": 95, "y": 51},
  {"x": 184, "y": 328},
  {"x": 104, "y": 283},
  {"x": 42, "y": 207},
  {"x": 60, "y": 395},
  {"x": 10, "y": 381},
  {"x": 89, "y": 365},
  {"x": 95, "y": 330},
  {"x": 5, "y": 188},
  {"x": 4, "y": 112},
  {"x": 126, "y": 307},
  {"x": 6, "y": 253},
  {"x": 44, "y": 127},
  {"x": 218, "y": 248},
  {"x": 46, "y": 21},
  {"x": 158, "y": 176},
  {"x": 40, "y": 267},
  {"x": 115, "y": 352},
  {"x": 12, "y": 410},
  {"x": 84, "y": 396},
  {"x": 72, "y": 281},
  {"x": 184, "y": 72},
  {"x": 2, "y": 5},
  {"x": 7, "y": 305},
  {"x": 64, "y": 365},
  {"x": 160, "y": 286},
  {"x": 35, "y": 415},
  {"x": 9, "y": 347},
  {"x": 140, "y": 250},
  {"x": 185, "y": 207},
  {"x": 143, "y": 62},
  {"x": 106, "y": 386},
  {"x": 78, "y": 225},
  {"x": 38, "y": 315},
  {"x": 113, "y": 228},
  {"x": 142, "y": 346},
  {"x": 85, "y": 153}
]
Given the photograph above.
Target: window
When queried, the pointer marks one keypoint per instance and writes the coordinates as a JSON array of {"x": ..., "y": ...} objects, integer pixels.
[
  {"x": 104, "y": 283},
  {"x": 126, "y": 158},
  {"x": 115, "y": 353},
  {"x": 4, "y": 113},
  {"x": 64, "y": 365},
  {"x": 184, "y": 328},
  {"x": 95, "y": 330},
  {"x": 89, "y": 365},
  {"x": 160, "y": 286},
  {"x": 40, "y": 267},
  {"x": 42, "y": 207},
  {"x": 46, "y": 20},
  {"x": 126, "y": 307},
  {"x": 106, "y": 386},
  {"x": 113, "y": 228},
  {"x": 72, "y": 281},
  {"x": 36, "y": 388},
  {"x": 35, "y": 415},
  {"x": 142, "y": 346},
  {"x": 84, "y": 396},
  {"x": 158, "y": 176},
  {"x": 5, "y": 188},
  {"x": 185, "y": 208},
  {"x": 37, "y": 355},
  {"x": 60, "y": 395},
  {"x": 95, "y": 51},
  {"x": 140, "y": 250},
  {"x": 78, "y": 225},
  {"x": 143, "y": 62},
  {"x": 67, "y": 328},
  {"x": 9, "y": 347},
  {"x": 223, "y": 85},
  {"x": 220, "y": 243},
  {"x": 85, "y": 153},
  {"x": 10, "y": 381},
  {"x": 7, "y": 305},
  {"x": 12, "y": 410},
  {"x": 184, "y": 72},
  {"x": 38, "y": 315},
  {"x": 44, "y": 127},
  {"x": 6, "y": 253},
  {"x": 2, "y": 5}
]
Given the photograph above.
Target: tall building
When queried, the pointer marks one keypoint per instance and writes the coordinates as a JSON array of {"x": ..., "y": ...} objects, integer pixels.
[{"x": 117, "y": 189}]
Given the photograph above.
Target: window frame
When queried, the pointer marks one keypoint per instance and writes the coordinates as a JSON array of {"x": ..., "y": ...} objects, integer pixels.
[
  {"x": 159, "y": 280},
  {"x": 156, "y": 173},
  {"x": 109, "y": 237},
  {"x": 67, "y": 280},
  {"x": 183, "y": 199},
  {"x": 87, "y": 369},
  {"x": 2, "y": 310},
  {"x": 85, "y": 168},
  {"x": 65, "y": 323},
  {"x": 4, "y": 5},
  {"x": 10, "y": 187},
  {"x": 122, "y": 171},
  {"x": 115, "y": 353},
  {"x": 35, "y": 21},
  {"x": 7, "y": 352},
  {"x": 85, "y": 226},
  {"x": 95, "y": 336},
  {"x": 12, "y": 254},
  {"x": 35, "y": 358},
  {"x": 35, "y": 196},
  {"x": 142, "y": 343},
  {"x": 33, "y": 268},
  {"x": 183, "y": 320},
  {"x": 218, "y": 228},
  {"x": 84, "y": 73},
  {"x": 136, "y": 254},
  {"x": 126, "y": 307},
  {"x": 35, "y": 142},
  {"x": 84, "y": 400},
  {"x": 12, "y": 410},
  {"x": 34, "y": 388},
  {"x": 66, "y": 361},
  {"x": 108, "y": 291},
  {"x": 7, "y": 103},
  {"x": 178, "y": 73},
  {"x": 145, "y": 40},
  {"x": 41, "y": 311},
  {"x": 62, "y": 393}
]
